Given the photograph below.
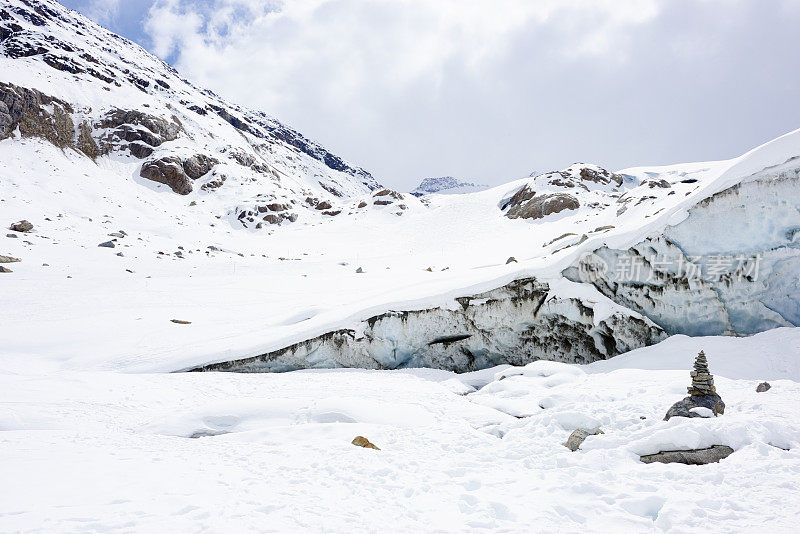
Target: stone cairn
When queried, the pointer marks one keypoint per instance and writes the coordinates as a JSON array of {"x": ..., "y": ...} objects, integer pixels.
[
  {"x": 702, "y": 379},
  {"x": 702, "y": 393}
]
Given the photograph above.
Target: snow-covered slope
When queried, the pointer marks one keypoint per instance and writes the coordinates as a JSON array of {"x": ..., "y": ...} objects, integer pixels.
[
  {"x": 446, "y": 185},
  {"x": 224, "y": 452},
  {"x": 283, "y": 256}
]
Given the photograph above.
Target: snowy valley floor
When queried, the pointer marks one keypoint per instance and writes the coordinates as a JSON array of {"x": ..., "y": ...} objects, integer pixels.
[{"x": 92, "y": 451}]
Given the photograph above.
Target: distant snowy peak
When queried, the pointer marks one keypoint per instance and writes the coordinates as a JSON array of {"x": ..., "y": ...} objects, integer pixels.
[{"x": 446, "y": 185}]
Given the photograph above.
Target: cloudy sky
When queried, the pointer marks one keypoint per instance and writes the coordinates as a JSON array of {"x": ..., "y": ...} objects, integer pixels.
[{"x": 490, "y": 90}]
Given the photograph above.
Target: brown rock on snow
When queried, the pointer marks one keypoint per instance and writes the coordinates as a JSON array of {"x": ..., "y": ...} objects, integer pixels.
[
  {"x": 361, "y": 441},
  {"x": 21, "y": 226}
]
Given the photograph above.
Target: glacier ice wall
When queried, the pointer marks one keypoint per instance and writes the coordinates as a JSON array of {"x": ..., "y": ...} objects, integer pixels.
[
  {"x": 523, "y": 321},
  {"x": 732, "y": 267}
]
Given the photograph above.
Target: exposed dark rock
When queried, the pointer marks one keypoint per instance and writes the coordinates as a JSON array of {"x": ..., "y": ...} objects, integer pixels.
[
  {"x": 663, "y": 184},
  {"x": 107, "y": 244},
  {"x": 168, "y": 171},
  {"x": 511, "y": 259},
  {"x": 713, "y": 454},
  {"x": 30, "y": 111},
  {"x": 213, "y": 185},
  {"x": 324, "y": 205},
  {"x": 138, "y": 130},
  {"x": 198, "y": 165},
  {"x": 8, "y": 259},
  {"x": 86, "y": 142},
  {"x": 762, "y": 387},
  {"x": 387, "y": 196},
  {"x": 600, "y": 176},
  {"x": 526, "y": 205},
  {"x": 5, "y": 270},
  {"x": 140, "y": 150}
]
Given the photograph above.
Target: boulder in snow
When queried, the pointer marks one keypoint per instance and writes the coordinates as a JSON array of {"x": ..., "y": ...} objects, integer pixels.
[
  {"x": 713, "y": 454},
  {"x": 762, "y": 387},
  {"x": 168, "y": 171},
  {"x": 361, "y": 441},
  {"x": 22, "y": 226},
  {"x": 577, "y": 437}
]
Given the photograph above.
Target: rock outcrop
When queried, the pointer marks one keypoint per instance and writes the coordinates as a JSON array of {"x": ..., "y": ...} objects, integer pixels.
[
  {"x": 526, "y": 204},
  {"x": 168, "y": 171},
  {"x": 137, "y": 131},
  {"x": 36, "y": 115},
  {"x": 198, "y": 165}
]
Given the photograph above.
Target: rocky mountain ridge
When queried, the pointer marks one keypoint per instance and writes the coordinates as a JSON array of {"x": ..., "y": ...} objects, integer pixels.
[{"x": 140, "y": 108}]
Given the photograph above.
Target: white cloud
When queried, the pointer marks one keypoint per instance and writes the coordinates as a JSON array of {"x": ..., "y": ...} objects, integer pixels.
[
  {"x": 473, "y": 87},
  {"x": 103, "y": 11}
]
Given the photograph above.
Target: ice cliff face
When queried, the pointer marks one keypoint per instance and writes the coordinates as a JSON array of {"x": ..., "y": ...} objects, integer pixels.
[
  {"x": 732, "y": 267},
  {"x": 523, "y": 321}
]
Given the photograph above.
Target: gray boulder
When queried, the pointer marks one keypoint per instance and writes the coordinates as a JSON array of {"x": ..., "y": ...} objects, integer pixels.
[
  {"x": 168, "y": 171},
  {"x": 713, "y": 454},
  {"x": 577, "y": 437},
  {"x": 107, "y": 244},
  {"x": 683, "y": 408},
  {"x": 762, "y": 387}
]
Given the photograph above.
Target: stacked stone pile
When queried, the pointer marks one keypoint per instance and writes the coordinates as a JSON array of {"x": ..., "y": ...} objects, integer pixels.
[
  {"x": 702, "y": 393},
  {"x": 702, "y": 379}
]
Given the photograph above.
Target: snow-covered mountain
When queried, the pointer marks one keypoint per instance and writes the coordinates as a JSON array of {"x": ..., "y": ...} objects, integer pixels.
[
  {"x": 282, "y": 255},
  {"x": 446, "y": 185},
  {"x": 81, "y": 87}
]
